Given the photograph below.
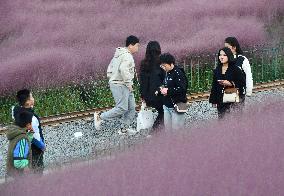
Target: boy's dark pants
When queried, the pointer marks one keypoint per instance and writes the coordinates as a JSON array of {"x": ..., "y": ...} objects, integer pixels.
[{"x": 37, "y": 160}]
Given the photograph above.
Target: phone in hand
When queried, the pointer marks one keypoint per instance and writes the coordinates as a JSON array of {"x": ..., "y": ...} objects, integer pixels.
[{"x": 220, "y": 81}]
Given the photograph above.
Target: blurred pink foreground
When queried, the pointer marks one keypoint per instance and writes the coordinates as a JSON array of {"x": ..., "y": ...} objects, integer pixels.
[{"x": 239, "y": 156}]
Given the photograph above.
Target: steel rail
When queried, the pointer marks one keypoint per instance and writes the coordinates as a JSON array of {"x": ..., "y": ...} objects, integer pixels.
[{"x": 88, "y": 114}]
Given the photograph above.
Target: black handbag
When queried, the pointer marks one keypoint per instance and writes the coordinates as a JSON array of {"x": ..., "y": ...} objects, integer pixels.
[{"x": 181, "y": 107}]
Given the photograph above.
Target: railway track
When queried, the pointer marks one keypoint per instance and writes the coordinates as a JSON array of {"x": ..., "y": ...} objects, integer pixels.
[{"x": 88, "y": 114}]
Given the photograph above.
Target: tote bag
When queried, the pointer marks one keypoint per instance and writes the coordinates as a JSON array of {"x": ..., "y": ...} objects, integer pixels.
[{"x": 145, "y": 118}]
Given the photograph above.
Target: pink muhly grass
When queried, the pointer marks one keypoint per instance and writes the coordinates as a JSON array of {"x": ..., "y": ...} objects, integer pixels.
[
  {"x": 40, "y": 40},
  {"x": 239, "y": 156}
]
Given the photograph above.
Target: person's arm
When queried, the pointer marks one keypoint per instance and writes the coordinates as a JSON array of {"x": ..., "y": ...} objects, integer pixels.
[
  {"x": 37, "y": 141},
  {"x": 127, "y": 70},
  {"x": 143, "y": 84},
  {"x": 180, "y": 84},
  {"x": 213, "y": 93},
  {"x": 162, "y": 75},
  {"x": 249, "y": 80},
  {"x": 239, "y": 78}
]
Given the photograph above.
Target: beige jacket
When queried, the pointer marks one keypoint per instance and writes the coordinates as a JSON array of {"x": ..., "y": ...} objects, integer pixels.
[{"x": 121, "y": 69}]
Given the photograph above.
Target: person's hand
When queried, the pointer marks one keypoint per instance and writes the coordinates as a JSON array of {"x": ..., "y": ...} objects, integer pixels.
[
  {"x": 214, "y": 105},
  {"x": 130, "y": 88},
  {"x": 30, "y": 131},
  {"x": 164, "y": 91},
  {"x": 143, "y": 104},
  {"x": 225, "y": 82}
]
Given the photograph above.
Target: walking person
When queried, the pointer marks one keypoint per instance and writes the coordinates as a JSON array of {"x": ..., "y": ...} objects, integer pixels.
[
  {"x": 26, "y": 103},
  {"x": 151, "y": 79},
  {"x": 225, "y": 75},
  {"x": 120, "y": 72},
  {"x": 174, "y": 91},
  {"x": 241, "y": 61}
]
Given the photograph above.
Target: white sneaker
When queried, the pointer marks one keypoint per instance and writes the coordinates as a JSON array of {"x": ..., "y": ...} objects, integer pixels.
[
  {"x": 122, "y": 132},
  {"x": 149, "y": 136},
  {"x": 131, "y": 131},
  {"x": 97, "y": 121}
]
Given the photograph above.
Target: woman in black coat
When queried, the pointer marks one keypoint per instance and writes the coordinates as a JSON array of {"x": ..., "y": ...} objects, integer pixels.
[
  {"x": 151, "y": 79},
  {"x": 226, "y": 74}
]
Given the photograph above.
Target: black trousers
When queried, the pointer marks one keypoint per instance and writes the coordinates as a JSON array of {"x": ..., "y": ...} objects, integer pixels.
[
  {"x": 224, "y": 108},
  {"x": 159, "y": 122},
  {"x": 37, "y": 160}
]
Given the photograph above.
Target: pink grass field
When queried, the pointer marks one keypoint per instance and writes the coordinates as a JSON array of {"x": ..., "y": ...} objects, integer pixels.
[
  {"x": 52, "y": 42},
  {"x": 238, "y": 156}
]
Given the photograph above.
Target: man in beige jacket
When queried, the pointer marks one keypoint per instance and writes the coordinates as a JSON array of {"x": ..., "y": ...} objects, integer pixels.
[{"x": 120, "y": 72}]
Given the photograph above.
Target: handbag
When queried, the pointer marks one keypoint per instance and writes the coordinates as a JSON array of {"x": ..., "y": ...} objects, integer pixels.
[
  {"x": 181, "y": 107},
  {"x": 231, "y": 95},
  {"x": 145, "y": 118}
]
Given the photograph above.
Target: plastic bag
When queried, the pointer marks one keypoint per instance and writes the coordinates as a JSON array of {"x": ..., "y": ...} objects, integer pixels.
[{"x": 145, "y": 118}]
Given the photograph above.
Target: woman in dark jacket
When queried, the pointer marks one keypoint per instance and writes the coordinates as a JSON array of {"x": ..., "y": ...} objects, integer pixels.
[
  {"x": 226, "y": 74},
  {"x": 151, "y": 78}
]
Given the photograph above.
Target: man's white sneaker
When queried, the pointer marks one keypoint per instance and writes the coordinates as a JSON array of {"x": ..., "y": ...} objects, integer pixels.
[
  {"x": 97, "y": 121},
  {"x": 122, "y": 132},
  {"x": 149, "y": 136},
  {"x": 131, "y": 131}
]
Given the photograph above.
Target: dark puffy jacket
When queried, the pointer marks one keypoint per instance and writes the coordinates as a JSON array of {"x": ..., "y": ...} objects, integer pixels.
[{"x": 176, "y": 82}]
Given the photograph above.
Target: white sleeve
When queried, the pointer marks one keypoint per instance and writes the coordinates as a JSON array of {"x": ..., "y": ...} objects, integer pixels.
[
  {"x": 12, "y": 112},
  {"x": 35, "y": 125},
  {"x": 249, "y": 80}
]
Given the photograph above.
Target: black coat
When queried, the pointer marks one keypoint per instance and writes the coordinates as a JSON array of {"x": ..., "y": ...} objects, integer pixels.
[
  {"x": 233, "y": 74},
  {"x": 176, "y": 82},
  {"x": 150, "y": 82}
]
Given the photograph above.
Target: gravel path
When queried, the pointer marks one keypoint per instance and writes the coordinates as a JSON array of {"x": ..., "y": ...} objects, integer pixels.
[{"x": 63, "y": 146}]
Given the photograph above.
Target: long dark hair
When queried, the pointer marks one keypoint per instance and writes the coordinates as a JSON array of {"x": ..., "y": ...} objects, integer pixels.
[
  {"x": 153, "y": 52},
  {"x": 234, "y": 42},
  {"x": 229, "y": 54}
]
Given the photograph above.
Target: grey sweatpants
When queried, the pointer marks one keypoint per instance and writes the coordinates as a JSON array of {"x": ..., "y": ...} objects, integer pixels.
[{"x": 124, "y": 105}]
